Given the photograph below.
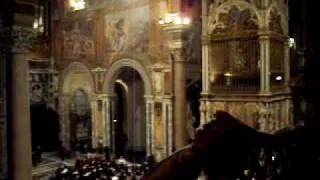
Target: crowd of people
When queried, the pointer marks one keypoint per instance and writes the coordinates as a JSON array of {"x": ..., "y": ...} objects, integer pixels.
[{"x": 93, "y": 167}]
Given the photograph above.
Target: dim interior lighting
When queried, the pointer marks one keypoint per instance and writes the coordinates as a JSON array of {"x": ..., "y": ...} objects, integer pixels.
[
  {"x": 161, "y": 21},
  {"x": 227, "y": 74},
  {"x": 115, "y": 120},
  {"x": 174, "y": 18},
  {"x": 273, "y": 158},
  {"x": 35, "y": 24},
  {"x": 291, "y": 42},
  {"x": 77, "y": 4},
  {"x": 186, "y": 21},
  {"x": 279, "y": 78},
  {"x": 114, "y": 178}
]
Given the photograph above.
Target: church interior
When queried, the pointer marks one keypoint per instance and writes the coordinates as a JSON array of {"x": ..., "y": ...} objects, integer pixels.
[{"x": 136, "y": 81}]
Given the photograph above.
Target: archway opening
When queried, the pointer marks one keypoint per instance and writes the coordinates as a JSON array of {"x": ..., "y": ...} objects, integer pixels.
[
  {"x": 129, "y": 124},
  {"x": 45, "y": 127},
  {"x": 80, "y": 122}
]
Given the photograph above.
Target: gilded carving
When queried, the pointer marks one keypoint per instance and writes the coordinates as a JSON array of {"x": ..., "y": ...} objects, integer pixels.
[
  {"x": 275, "y": 20},
  {"x": 218, "y": 106},
  {"x": 236, "y": 110},
  {"x": 234, "y": 21},
  {"x": 252, "y": 114}
]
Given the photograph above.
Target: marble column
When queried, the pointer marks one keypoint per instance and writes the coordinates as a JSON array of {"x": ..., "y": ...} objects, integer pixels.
[
  {"x": 286, "y": 65},
  {"x": 150, "y": 125},
  {"x": 167, "y": 124},
  {"x": 64, "y": 112},
  {"x": 180, "y": 102},
  {"x": 94, "y": 111},
  {"x": 20, "y": 123}
]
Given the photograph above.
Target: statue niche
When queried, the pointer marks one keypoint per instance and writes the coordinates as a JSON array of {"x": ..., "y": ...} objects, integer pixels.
[{"x": 80, "y": 125}]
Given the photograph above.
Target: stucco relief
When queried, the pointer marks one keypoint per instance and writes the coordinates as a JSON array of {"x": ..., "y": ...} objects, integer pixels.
[
  {"x": 127, "y": 30},
  {"x": 78, "y": 40}
]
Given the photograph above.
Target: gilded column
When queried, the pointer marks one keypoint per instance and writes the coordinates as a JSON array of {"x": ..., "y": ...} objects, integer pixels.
[
  {"x": 286, "y": 65},
  {"x": 264, "y": 62},
  {"x": 205, "y": 42}
]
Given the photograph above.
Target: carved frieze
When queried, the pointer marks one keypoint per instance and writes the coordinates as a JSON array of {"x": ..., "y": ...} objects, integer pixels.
[{"x": 264, "y": 116}]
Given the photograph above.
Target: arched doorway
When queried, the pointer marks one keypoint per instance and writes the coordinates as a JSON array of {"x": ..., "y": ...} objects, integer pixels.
[
  {"x": 128, "y": 78},
  {"x": 80, "y": 121},
  {"x": 44, "y": 127},
  {"x": 129, "y": 124},
  {"x": 76, "y": 83}
]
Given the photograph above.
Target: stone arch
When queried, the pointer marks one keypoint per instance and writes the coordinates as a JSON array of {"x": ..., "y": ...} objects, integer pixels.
[
  {"x": 76, "y": 76},
  {"x": 279, "y": 10},
  {"x": 242, "y": 5},
  {"x": 113, "y": 71}
]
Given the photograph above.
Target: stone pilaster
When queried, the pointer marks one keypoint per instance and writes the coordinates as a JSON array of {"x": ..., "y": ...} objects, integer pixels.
[
  {"x": 150, "y": 138},
  {"x": 109, "y": 117},
  {"x": 64, "y": 112},
  {"x": 168, "y": 126},
  {"x": 94, "y": 119}
]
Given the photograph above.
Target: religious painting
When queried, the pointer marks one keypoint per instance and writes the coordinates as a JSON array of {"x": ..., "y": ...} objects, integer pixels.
[
  {"x": 39, "y": 91},
  {"x": 158, "y": 123},
  {"x": 192, "y": 43},
  {"x": 78, "y": 40},
  {"x": 127, "y": 30}
]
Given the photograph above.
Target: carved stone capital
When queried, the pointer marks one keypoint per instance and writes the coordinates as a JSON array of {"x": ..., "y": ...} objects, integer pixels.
[{"x": 17, "y": 39}]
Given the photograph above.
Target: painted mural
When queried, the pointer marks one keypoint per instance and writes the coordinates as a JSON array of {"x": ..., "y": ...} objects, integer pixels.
[
  {"x": 127, "y": 30},
  {"x": 78, "y": 40}
]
